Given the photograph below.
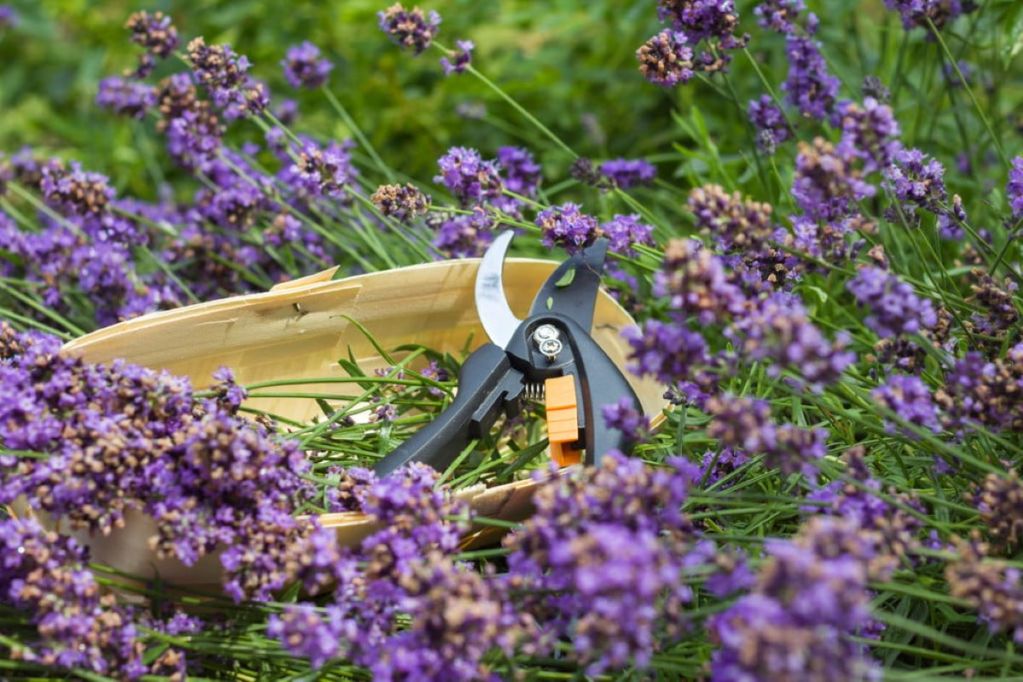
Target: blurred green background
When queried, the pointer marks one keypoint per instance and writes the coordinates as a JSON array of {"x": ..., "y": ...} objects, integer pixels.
[{"x": 570, "y": 62}]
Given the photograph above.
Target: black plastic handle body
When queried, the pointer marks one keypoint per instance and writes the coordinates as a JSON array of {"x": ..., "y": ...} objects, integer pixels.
[
  {"x": 487, "y": 384},
  {"x": 598, "y": 382}
]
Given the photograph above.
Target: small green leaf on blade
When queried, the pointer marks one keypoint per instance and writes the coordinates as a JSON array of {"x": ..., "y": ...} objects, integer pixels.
[
  {"x": 550, "y": 302},
  {"x": 566, "y": 279}
]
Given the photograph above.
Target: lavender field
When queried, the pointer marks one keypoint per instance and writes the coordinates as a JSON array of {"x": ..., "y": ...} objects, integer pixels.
[{"x": 812, "y": 210}]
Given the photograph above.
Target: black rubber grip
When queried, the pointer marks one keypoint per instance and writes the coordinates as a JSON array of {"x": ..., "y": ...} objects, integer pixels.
[{"x": 484, "y": 383}]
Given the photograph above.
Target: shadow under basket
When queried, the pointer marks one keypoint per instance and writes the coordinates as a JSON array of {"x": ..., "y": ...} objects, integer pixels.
[{"x": 298, "y": 330}]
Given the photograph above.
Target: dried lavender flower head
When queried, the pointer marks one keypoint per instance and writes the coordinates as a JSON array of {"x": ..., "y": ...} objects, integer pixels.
[
  {"x": 401, "y": 202},
  {"x": 412, "y": 29},
  {"x": 666, "y": 59},
  {"x": 156, "y": 34},
  {"x": 927, "y": 13},
  {"x": 225, "y": 75},
  {"x": 303, "y": 66}
]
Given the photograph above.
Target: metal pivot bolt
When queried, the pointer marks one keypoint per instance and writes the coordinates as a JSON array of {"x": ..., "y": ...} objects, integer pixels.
[{"x": 546, "y": 337}]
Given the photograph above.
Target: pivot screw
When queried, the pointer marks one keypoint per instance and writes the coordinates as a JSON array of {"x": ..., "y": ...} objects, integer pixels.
[{"x": 546, "y": 337}]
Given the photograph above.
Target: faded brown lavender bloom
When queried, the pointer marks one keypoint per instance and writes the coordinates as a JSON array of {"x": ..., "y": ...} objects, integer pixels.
[
  {"x": 666, "y": 59},
  {"x": 156, "y": 34},
  {"x": 987, "y": 392},
  {"x": 1000, "y": 502},
  {"x": 401, "y": 202},
  {"x": 736, "y": 223},
  {"x": 996, "y": 300},
  {"x": 991, "y": 587},
  {"x": 588, "y": 173},
  {"x": 906, "y": 353}
]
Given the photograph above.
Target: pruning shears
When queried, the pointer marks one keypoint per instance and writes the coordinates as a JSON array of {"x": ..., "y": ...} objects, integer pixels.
[{"x": 550, "y": 356}]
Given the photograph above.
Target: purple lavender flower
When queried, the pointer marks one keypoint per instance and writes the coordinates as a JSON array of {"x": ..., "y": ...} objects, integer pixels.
[
  {"x": 666, "y": 59},
  {"x": 923, "y": 13},
  {"x": 992, "y": 587},
  {"x": 462, "y": 58},
  {"x": 826, "y": 186},
  {"x": 286, "y": 112},
  {"x": 303, "y": 67},
  {"x": 917, "y": 180},
  {"x": 745, "y": 423},
  {"x": 717, "y": 465},
  {"x": 894, "y": 307},
  {"x": 127, "y": 98},
  {"x": 322, "y": 171},
  {"x": 224, "y": 74},
  {"x": 869, "y": 132},
  {"x": 893, "y": 527},
  {"x": 670, "y": 352},
  {"x": 999, "y": 499},
  {"x": 909, "y": 398},
  {"x": 737, "y": 225},
  {"x": 626, "y": 173},
  {"x": 624, "y": 417},
  {"x": 779, "y": 330},
  {"x": 769, "y": 120},
  {"x": 43, "y": 576},
  {"x": 75, "y": 191},
  {"x": 156, "y": 34},
  {"x": 567, "y": 226},
  {"x": 979, "y": 391},
  {"x": 714, "y": 21},
  {"x": 8, "y": 17},
  {"x": 810, "y": 87},
  {"x": 194, "y": 138},
  {"x": 520, "y": 171},
  {"x": 467, "y": 176},
  {"x": 1014, "y": 188},
  {"x": 810, "y": 600},
  {"x": 602, "y": 558},
  {"x": 411, "y": 29},
  {"x": 120, "y": 437},
  {"x": 305, "y": 633},
  {"x": 464, "y": 236},
  {"x": 625, "y": 232},
  {"x": 696, "y": 283},
  {"x": 779, "y": 15}
]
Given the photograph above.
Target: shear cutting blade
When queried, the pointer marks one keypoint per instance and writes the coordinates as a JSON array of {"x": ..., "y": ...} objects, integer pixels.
[{"x": 494, "y": 312}]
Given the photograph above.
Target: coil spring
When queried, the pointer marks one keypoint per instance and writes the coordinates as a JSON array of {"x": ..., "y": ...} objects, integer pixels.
[{"x": 536, "y": 391}]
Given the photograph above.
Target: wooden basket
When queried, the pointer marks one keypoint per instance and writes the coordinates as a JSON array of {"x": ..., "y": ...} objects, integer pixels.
[{"x": 298, "y": 330}]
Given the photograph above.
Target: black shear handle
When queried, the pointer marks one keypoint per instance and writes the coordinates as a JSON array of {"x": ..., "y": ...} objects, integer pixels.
[
  {"x": 601, "y": 383},
  {"x": 485, "y": 382}
]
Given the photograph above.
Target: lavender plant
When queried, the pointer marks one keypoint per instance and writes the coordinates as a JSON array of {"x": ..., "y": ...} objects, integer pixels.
[{"x": 827, "y": 292}]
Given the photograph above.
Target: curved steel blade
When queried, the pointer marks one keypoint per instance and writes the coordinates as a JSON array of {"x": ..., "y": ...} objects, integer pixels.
[
  {"x": 571, "y": 290},
  {"x": 496, "y": 315}
]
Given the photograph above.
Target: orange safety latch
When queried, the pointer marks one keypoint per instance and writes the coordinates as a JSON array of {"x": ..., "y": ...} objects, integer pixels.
[{"x": 562, "y": 419}]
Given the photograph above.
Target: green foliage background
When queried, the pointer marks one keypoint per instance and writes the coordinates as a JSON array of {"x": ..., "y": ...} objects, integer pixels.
[{"x": 570, "y": 63}]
